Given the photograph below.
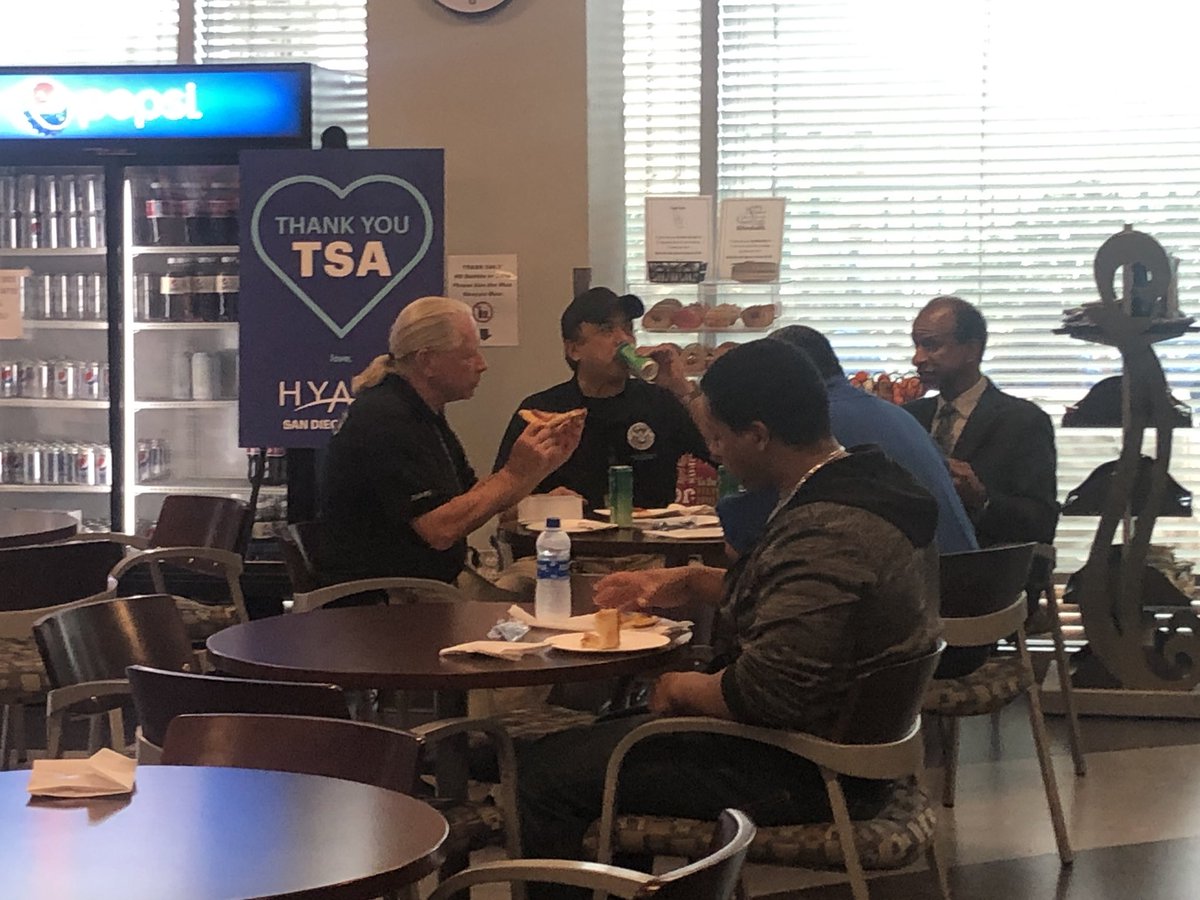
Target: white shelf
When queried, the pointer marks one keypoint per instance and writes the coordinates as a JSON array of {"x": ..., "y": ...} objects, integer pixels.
[
  {"x": 33, "y": 402},
  {"x": 187, "y": 250},
  {"x": 184, "y": 404},
  {"x": 44, "y": 252},
  {"x": 65, "y": 325},
  {"x": 184, "y": 326},
  {"x": 238, "y": 486},
  {"x": 57, "y": 488}
]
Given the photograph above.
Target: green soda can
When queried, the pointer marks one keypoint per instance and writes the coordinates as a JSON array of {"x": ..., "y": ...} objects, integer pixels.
[
  {"x": 642, "y": 366},
  {"x": 620, "y": 495},
  {"x": 727, "y": 483}
]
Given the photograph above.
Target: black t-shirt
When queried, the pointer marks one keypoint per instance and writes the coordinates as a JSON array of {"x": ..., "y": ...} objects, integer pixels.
[
  {"x": 644, "y": 426},
  {"x": 392, "y": 461}
]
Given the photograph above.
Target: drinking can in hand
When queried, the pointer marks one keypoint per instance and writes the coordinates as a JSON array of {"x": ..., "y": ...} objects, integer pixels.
[
  {"x": 642, "y": 366},
  {"x": 620, "y": 495}
]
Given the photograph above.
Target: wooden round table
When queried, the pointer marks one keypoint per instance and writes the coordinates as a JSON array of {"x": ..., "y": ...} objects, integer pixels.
[
  {"x": 397, "y": 647},
  {"x": 621, "y": 542},
  {"x": 202, "y": 833},
  {"x": 23, "y": 527}
]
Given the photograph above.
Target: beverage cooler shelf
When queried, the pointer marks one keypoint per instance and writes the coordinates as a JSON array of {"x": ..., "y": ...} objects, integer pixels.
[
  {"x": 206, "y": 486},
  {"x": 184, "y": 326},
  {"x": 188, "y": 250},
  {"x": 47, "y": 252},
  {"x": 56, "y": 488},
  {"x": 64, "y": 325},
  {"x": 184, "y": 404},
  {"x": 53, "y": 404}
]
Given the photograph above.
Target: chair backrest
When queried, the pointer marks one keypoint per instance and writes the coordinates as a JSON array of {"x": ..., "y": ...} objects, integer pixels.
[
  {"x": 160, "y": 695},
  {"x": 883, "y": 704},
  {"x": 97, "y": 641},
  {"x": 52, "y": 574},
  {"x": 355, "y": 751},
  {"x": 188, "y": 520},
  {"x": 296, "y": 563},
  {"x": 716, "y": 876},
  {"x": 400, "y": 591},
  {"x": 985, "y": 586}
]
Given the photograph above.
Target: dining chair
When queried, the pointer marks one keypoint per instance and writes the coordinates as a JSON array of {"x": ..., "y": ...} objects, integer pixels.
[
  {"x": 35, "y": 581},
  {"x": 399, "y": 590},
  {"x": 86, "y": 649},
  {"x": 982, "y": 601},
  {"x": 159, "y": 695},
  {"x": 715, "y": 876},
  {"x": 878, "y": 736}
]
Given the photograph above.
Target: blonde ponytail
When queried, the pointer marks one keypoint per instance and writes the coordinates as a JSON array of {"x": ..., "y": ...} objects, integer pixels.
[{"x": 425, "y": 324}]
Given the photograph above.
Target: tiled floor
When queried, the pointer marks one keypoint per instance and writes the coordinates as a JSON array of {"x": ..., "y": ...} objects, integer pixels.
[{"x": 1134, "y": 820}]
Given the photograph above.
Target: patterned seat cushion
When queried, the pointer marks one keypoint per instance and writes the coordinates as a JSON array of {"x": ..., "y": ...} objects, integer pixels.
[
  {"x": 473, "y": 825},
  {"x": 22, "y": 675},
  {"x": 990, "y": 687},
  {"x": 891, "y": 840},
  {"x": 203, "y": 620},
  {"x": 531, "y": 722}
]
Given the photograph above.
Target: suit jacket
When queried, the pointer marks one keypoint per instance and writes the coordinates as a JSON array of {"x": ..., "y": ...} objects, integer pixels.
[{"x": 1009, "y": 442}]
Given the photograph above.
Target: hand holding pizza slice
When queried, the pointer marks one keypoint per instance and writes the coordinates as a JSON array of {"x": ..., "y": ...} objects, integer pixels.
[{"x": 552, "y": 419}]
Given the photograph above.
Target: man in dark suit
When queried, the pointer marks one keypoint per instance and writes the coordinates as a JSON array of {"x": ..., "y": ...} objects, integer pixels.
[{"x": 1000, "y": 448}]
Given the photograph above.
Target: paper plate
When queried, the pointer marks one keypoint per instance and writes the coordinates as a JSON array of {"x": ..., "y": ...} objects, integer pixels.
[
  {"x": 572, "y": 526},
  {"x": 631, "y": 640},
  {"x": 687, "y": 534}
]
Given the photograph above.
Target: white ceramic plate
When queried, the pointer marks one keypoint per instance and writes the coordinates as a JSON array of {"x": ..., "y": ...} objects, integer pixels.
[
  {"x": 687, "y": 534},
  {"x": 572, "y": 526},
  {"x": 631, "y": 640}
]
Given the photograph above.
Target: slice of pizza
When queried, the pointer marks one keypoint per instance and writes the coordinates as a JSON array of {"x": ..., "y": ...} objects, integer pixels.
[
  {"x": 551, "y": 419},
  {"x": 607, "y": 635}
]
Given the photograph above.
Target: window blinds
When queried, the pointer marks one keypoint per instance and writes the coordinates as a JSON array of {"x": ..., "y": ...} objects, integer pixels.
[
  {"x": 979, "y": 148},
  {"x": 84, "y": 32}
]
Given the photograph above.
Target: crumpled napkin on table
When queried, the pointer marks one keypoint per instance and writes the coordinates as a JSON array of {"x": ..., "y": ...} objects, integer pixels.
[
  {"x": 102, "y": 774},
  {"x": 498, "y": 649},
  {"x": 588, "y": 623}
]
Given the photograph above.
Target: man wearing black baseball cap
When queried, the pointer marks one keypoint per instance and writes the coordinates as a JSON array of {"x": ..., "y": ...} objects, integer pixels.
[{"x": 629, "y": 421}]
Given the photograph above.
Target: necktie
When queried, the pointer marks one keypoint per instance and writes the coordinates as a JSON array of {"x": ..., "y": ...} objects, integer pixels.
[{"x": 943, "y": 427}]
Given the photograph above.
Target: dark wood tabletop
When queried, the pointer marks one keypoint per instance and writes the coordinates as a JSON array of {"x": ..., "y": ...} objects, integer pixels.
[
  {"x": 201, "y": 833},
  {"x": 397, "y": 647},
  {"x": 621, "y": 542},
  {"x": 23, "y": 527}
]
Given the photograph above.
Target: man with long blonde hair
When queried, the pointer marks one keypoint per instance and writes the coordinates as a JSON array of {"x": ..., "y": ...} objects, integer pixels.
[{"x": 399, "y": 496}]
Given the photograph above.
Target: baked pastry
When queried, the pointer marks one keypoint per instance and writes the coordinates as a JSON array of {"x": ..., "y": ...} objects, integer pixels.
[
  {"x": 758, "y": 316},
  {"x": 722, "y": 349},
  {"x": 689, "y": 317},
  {"x": 721, "y": 316},
  {"x": 659, "y": 317},
  {"x": 551, "y": 419},
  {"x": 607, "y": 635},
  {"x": 694, "y": 359}
]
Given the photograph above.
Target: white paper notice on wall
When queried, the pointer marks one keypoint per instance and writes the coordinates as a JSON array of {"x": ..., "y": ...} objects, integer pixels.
[
  {"x": 11, "y": 325},
  {"x": 487, "y": 284},
  {"x": 750, "y": 246}
]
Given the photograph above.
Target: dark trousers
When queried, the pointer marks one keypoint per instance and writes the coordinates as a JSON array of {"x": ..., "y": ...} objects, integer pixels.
[{"x": 692, "y": 776}]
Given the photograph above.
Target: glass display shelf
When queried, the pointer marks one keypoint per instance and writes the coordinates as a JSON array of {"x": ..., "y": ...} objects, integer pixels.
[
  {"x": 205, "y": 486},
  {"x": 186, "y": 250},
  {"x": 57, "y": 488},
  {"x": 49, "y": 252},
  {"x": 34, "y": 402},
  {"x": 184, "y": 404},
  {"x": 184, "y": 326},
  {"x": 65, "y": 325}
]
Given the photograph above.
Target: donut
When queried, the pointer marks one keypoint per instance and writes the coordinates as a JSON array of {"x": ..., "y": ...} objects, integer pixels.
[{"x": 659, "y": 316}]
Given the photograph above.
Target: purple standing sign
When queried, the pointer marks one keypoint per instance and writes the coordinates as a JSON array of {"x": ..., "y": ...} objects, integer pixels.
[{"x": 334, "y": 243}]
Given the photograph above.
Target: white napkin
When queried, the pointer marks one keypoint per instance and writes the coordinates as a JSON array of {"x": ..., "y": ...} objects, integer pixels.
[
  {"x": 498, "y": 649},
  {"x": 588, "y": 622},
  {"x": 103, "y": 774}
]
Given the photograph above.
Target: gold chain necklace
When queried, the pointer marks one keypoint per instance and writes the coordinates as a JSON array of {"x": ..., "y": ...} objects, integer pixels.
[{"x": 787, "y": 498}]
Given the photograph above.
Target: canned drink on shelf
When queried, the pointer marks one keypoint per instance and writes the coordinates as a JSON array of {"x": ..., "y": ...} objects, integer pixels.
[
  {"x": 181, "y": 376},
  {"x": 70, "y": 211},
  {"x": 91, "y": 211},
  {"x": 204, "y": 375},
  {"x": 28, "y": 213},
  {"x": 91, "y": 384},
  {"x": 10, "y": 378},
  {"x": 143, "y": 460},
  {"x": 31, "y": 464},
  {"x": 51, "y": 207},
  {"x": 7, "y": 463},
  {"x": 8, "y": 212},
  {"x": 85, "y": 464},
  {"x": 37, "y": 379},
  {"x": 66, "y": 380},
  {"x": 160, "y": 467},
  {"x": 103, "y": 465},
  {"x": 54, "y": 470}
]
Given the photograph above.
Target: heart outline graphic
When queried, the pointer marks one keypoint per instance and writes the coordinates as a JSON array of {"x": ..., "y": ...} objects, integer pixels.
[{"x": 341, "y": 193}]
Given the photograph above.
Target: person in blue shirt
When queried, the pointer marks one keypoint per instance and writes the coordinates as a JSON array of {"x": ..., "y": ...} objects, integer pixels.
[{"x": 857, "y": 417}]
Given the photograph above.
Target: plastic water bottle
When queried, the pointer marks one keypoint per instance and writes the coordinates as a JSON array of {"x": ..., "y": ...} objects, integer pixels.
[{"x": 552, "y": 599}]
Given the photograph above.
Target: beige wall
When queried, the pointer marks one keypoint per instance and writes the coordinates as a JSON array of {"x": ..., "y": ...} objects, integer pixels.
[{"x": 506, "y": 95}]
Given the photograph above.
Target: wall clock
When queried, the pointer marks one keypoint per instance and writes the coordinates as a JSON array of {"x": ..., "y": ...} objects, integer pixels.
[{"x": 471, "y": 7}]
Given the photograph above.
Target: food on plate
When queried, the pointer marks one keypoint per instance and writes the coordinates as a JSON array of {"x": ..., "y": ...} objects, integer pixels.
[
  {"x": 637, "y": 620},
  {"x": 551, "y": 419},
  {"x": 722, "y": 316},
  {"x": 607, "y": 635},
  {"x": 689, "y": 317},
  {"x": 659, "y": 316},
  {"x": 694, "y": 359},
  {"x": 758, "y": 316}
]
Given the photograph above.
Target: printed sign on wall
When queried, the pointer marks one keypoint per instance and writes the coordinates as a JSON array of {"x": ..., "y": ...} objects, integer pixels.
[{"x": 334, "y": 244}]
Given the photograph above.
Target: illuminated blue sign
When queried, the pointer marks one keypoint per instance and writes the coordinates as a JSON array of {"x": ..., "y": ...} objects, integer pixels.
[{"x": 170, "y": 103}]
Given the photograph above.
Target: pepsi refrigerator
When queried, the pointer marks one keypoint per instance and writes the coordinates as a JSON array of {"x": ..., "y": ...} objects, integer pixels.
[{"x": 118, "y": 245}]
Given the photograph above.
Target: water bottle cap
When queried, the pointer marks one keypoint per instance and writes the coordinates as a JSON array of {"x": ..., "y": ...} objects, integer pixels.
[{"x": 553, "y": 522}]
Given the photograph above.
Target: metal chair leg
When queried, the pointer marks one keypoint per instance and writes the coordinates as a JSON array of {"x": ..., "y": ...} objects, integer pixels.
[
  {"x": 1042, "y": 745},
  {"x": 949, "y": 730},
  {"x": 845, "y": 830},
  {"x": 1064, "y": 682}
]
